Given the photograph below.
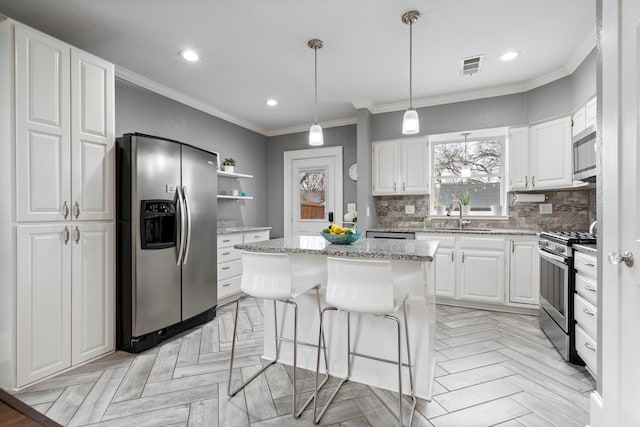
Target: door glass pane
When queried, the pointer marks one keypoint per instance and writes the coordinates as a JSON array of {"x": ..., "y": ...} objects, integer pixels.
[{"x": 312, "y": 193}]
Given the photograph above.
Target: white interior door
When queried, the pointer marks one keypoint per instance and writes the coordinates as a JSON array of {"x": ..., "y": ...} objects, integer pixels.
[
  {"x": 620, "y": 346},
  {"x": 313, "y": 190}
]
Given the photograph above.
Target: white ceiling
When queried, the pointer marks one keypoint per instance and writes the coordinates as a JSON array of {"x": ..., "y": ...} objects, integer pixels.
[{"x": 252, "y": 50}]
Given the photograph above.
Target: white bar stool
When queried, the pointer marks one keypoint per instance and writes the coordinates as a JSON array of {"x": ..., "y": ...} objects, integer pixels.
[
  {"x": 270, "y": 276},
  {"x": 365, "y": 287}
]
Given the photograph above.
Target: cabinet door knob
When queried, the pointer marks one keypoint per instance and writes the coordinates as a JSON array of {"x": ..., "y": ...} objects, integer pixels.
[{"x": 617, "y": 258}]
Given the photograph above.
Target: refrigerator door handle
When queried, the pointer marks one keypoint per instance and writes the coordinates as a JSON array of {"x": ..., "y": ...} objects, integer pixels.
[
  {"x": 188, "y": 209},
  {"x": 182, "y": 224}
]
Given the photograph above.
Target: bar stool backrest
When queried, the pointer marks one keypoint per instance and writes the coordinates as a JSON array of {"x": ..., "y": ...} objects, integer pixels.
[
  {"x": 359, "y": 285},
  {"x": 266, "y": 275}
]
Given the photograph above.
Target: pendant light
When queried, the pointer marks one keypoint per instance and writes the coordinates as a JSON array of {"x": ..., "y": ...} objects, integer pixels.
[
  {"x": 465, "y": 172},
  {"x": 410, "y": 121},
  {"x": 315, "y": 132}
]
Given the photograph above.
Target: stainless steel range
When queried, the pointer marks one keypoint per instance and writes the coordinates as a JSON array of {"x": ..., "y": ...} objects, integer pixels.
[{"x": 557, "y": 285}]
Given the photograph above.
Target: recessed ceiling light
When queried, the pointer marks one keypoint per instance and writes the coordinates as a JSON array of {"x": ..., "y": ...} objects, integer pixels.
[
  {"x": 271, "y": 102},
  {"x": 508, "y": 56},
  {"x": 189, "y": 55}
]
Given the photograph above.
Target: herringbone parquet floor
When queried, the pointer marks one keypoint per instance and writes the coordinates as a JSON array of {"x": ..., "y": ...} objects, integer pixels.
[{"x": 494, "y": 369}]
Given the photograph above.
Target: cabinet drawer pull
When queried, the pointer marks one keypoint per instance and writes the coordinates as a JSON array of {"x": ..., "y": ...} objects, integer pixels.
[
  {"x": 585, "y": 311},
  {"x": 451, "y": 256},
  {"x": 66, "y": 235},
  {"x": 76, "y": 209},
  {"x": 257, "y": 236},
  {"x": 526, "y": 181},
  {"x": 586, "y": 344},
  {"x": 589, "y": 264},
  {"x": 463, "y": 257},
  {"x": 226, "y": 253},
  {"x": 589, "y": 288},
  {"x": 226, "y": 240},
  {"x": 226, "y": 268},
  {"x": 65, "y": 209},
  {"x": 533, "y": 181},
  {"x": 226, "y": 285}
]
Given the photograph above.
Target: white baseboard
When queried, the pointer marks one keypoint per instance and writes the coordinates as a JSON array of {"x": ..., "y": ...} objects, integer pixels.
[{"x": 596, "y": 410}]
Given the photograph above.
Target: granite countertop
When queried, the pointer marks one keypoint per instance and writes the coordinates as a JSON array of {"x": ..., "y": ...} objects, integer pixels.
[
  {"x": 586, "y": 248},
  {"x": 482, "y": 231},
  {"x": 404, "y": 250},
  {"x": 231, "y": 230}
]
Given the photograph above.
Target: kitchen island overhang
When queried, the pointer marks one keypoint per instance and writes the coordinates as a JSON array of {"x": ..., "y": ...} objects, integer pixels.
[{"x": 414, "y": 273}]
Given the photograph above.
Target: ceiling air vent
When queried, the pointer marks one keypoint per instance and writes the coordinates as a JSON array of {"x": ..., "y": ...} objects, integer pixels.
[{"x": 471, "y": 65}]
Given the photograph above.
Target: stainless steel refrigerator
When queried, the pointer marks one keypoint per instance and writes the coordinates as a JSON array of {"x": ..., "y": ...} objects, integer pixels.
[{"x": 166, "y": 239}]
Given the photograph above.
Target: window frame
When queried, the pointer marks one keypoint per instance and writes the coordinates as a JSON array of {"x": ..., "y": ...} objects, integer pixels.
[{"x": 500, "y": 134}]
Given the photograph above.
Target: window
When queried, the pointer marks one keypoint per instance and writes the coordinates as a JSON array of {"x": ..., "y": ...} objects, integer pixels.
[{"x": 483, "y": 189}]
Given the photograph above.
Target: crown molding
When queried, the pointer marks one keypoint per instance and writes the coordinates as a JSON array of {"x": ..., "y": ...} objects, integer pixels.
[
  {"x": 581, "y": 51},
  {"x": 146, "y": 83},
  {"x": 304, "y": 128}
]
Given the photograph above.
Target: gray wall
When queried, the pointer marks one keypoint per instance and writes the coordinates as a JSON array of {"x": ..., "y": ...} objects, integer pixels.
[
  {"x": 560, "y": 97},
  {"x": 277, "y": 145},
  {"x": 476, "y": 114},
  {"x": 140, "y": 110}
]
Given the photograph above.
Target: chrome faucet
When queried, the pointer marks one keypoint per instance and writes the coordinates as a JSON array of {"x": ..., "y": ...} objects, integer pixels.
[{"x": 461, "y": 222}]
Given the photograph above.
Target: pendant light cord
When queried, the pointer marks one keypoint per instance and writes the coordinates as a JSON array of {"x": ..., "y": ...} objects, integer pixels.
[
  {"x": 411, "y": 64},
  {"x": 315, "y": 54}
]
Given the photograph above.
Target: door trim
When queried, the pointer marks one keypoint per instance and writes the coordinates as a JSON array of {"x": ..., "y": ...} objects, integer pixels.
[{"x": 311, "y": 153}]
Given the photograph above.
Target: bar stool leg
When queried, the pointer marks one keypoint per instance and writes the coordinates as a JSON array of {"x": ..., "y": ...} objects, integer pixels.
[
  {"x": 233, "y": 350},
  {"x": 410, "y": 365},
  {"x": 316, "y": 416},
  {"x": 399, "y": 342}
]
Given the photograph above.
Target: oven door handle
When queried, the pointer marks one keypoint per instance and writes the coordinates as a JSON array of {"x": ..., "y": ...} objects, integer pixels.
[{"x": 549, "y": 256}]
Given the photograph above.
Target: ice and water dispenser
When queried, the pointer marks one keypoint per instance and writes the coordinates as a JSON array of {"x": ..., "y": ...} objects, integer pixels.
[{"x": 158, "y": 224}]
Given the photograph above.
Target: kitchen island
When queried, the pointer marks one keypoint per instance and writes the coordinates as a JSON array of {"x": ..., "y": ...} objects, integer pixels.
[{"x": 411, "y": 262}]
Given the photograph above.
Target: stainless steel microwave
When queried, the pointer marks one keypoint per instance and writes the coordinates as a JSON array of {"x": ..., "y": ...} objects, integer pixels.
[{"x": 584, "y": 155}]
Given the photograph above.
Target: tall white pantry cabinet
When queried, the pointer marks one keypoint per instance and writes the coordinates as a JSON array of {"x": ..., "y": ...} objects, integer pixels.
[{"x": 57, "y": 144}]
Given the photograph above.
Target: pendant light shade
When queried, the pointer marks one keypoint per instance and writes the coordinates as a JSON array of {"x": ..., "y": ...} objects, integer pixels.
[
  {"x": 315, "y": 135},
  {"x": 315, "y": 132},
  {"x": 410, "y": 120}
]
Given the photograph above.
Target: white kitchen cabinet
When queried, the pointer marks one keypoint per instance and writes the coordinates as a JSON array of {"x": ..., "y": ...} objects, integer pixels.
[
  {"x": 518, "y": 158},
  {"x": 92, "y": 290},
  {"x": 230, "y": 262},
  {"x": 482, "y": 269},
  {"x": 550, "y": 154},
  {"x": 401, "y": 167},
  {"x": 64, "y": 114},
  {"x": 43, "y": 294},
  {"x": 43, "y": 132},
  {"x": 65, "y": 296},
  {"x": 445, "y": 263},
  {"x": 92, "y": 137},
  {"x": 584, "y": 117},
  {"x": 585, "y": 307},
  {"x": 540, "y": 156},
  {"x": 524, "y": 271}
]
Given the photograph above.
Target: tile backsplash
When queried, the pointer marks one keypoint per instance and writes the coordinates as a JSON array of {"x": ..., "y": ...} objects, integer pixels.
[{"x": 573, "y": 209}]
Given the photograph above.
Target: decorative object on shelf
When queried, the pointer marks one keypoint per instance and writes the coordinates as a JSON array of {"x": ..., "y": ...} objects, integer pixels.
[
  {"x": 465, "y": 171},
  {"x": 410, "y": 121},
  {"x": 315, "y": 132},
  {"x": 342, "y": 239},
  {"x": 351, "y": 216},
  {"x": 353, "y": 172},
  {"x": 228, "y": 164}
]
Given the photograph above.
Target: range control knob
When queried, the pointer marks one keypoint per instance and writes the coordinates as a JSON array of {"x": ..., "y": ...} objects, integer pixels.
[
  {"x": 543, "y": 243},
  {"x": 559, "y": 249}
]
